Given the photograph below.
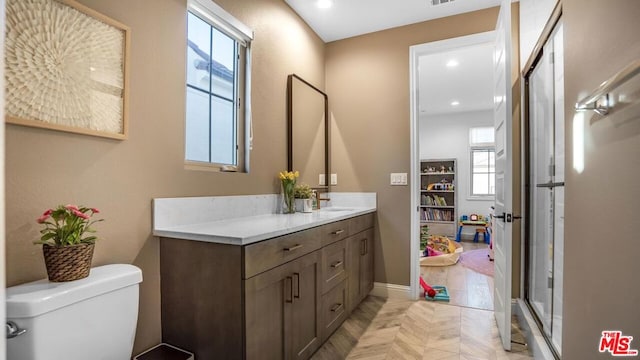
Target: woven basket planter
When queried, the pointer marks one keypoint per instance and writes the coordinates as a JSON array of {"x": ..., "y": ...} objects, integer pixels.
[{"x": 67, "y": 263}]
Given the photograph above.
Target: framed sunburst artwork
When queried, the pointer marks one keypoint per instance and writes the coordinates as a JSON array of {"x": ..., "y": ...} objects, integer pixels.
[{"x": 66, "y": 68}]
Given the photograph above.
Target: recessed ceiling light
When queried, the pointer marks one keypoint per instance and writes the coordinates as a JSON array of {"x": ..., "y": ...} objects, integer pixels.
[
  {"x": 324, "y": 4},
  {"x": 455, "y": 103},
  {"x": 452, "y": 63}
]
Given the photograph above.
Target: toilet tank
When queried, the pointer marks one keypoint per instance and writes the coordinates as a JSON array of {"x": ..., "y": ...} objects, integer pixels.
[{"x": 92, "y": 318}]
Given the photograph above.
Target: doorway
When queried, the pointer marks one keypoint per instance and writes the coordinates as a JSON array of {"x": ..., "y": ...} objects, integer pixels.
[{"x": 447, "y": 131}]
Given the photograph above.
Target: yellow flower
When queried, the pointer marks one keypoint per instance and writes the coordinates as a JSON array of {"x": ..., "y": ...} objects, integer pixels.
[{"x": 288, "y": 175}]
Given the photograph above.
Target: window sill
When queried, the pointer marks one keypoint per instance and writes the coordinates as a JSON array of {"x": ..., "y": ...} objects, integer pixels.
[
  {"x": 481, "y": 198},
  {"x": 203, "y": 166}
]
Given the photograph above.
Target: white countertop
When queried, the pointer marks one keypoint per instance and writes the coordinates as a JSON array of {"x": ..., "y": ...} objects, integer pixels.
[{"x": 250, "y": 229}]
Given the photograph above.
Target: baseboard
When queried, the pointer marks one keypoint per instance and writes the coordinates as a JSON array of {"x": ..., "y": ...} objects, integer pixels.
[
  {"x": 535, "y": 340},
  {"x": 391, "y": 291}
]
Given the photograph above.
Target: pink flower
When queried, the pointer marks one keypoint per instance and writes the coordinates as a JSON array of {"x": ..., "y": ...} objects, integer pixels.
[
  {"x": 79, "y": 214},
  {"x": 72, "y": 207},
  {"x": 48, "y": 212},
  {"x": 43, "y": 218},
  {"x": 95, "y": 211}
]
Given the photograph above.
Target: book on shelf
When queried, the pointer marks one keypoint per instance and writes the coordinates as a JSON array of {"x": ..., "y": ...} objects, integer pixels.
[
  {"x": 436, "y": 215},
  {"x": 433, "y": 200}
]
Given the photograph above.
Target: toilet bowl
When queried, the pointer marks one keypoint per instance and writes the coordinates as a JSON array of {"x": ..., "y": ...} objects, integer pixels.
[{"x": 92, "y": 318}]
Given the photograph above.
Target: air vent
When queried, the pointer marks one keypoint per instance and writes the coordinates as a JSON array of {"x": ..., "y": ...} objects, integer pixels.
[{"x": 440, "y": 2}]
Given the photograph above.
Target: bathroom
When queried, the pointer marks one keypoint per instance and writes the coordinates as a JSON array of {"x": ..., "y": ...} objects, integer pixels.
[{"x": 367, "y": 81}]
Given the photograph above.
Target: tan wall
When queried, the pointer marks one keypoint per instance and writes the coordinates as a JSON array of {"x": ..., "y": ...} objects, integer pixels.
[
  {"x": 602, "y": 242},
  {"x": 45, "y": 168},
  {"x": 368, "y": 88}
]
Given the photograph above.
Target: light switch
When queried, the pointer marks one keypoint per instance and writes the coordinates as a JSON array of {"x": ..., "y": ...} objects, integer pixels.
[
  {"x": 334, "y": 179},
  {"x": 321, "y": 180},
  {"x": 398, "y": 178}
]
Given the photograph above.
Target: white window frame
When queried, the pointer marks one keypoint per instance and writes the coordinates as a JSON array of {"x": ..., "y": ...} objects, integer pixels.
[
  {"x": 484, "y": 146},
  {"x": 218, "y": 18}
]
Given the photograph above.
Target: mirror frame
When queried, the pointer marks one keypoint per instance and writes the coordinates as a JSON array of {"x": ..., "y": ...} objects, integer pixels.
[{"x": 290, "y": 125}]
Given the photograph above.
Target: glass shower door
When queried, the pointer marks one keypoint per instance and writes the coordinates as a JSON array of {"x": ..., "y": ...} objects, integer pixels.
[
  {"x": 541, "y": 209},
  {"x": 545, "y": 242}
]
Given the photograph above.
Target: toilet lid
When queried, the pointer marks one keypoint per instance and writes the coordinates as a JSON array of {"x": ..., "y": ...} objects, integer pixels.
[{"x": 42, "y": 296}]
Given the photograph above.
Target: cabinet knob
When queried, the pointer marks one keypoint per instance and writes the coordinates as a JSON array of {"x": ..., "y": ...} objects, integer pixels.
[
  {"x": 336, "y": 307},
  {"x": 289, "y": 280},
  {"x": 296, "y": 294},
  {"x": 295, "y": 247},
  {"x": 337, "y": 232},
  {"x": 336, "y": 264}
]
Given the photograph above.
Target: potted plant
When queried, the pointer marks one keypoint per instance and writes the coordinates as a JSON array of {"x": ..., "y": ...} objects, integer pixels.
[
  {"x": 68, "y": 241},
  {"x": 302, "y": 194}
]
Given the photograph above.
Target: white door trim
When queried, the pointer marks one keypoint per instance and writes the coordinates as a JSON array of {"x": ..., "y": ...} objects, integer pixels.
[
  {"x": 3, "y": 342},
  {"x": 415, "y": 52}
]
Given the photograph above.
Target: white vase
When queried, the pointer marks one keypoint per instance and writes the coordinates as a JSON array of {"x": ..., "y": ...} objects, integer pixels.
[
  {"x": 307, "y": 205},
  {"x": 304, "y": 205}
]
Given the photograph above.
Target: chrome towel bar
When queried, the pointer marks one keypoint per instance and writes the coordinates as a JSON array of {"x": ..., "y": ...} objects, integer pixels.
[{"x": 600, "y": 100}]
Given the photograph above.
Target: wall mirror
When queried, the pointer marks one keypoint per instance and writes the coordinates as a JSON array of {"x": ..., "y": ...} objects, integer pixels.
[{"x": 308, "y": 131}]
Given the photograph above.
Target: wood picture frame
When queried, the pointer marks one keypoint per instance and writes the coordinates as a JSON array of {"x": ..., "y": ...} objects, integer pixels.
[{"x": 70, "y": 73}]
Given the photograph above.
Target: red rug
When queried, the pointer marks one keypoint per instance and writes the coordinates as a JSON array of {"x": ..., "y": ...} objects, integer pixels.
[{"x": 478, "y": 261}]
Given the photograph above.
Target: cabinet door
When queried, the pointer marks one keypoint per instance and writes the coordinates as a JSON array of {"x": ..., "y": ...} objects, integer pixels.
[
  {"x": 366, "y": 264},
  {"x": 305, "y": 328},
  {"x": 268, "y": 298},
  {"x": 282, "y": 311},
  {"x": 360, "y": 256},
  {"x": 354, "y": 249}
]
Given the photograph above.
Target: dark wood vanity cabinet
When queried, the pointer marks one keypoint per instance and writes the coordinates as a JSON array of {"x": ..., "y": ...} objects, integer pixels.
[
  {"x": 360, "y": 253},
  {"x": 281, "y": 311},
  {"x": 276, "y": 299}
]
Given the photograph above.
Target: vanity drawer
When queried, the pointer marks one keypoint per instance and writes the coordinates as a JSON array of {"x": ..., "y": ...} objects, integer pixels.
[
  {"x": 360, "y": 223},
  {"x": 335, "y": 231},
  {"x": 270, "y": 253},
  {"x": 334, "y": 259},
  {"x": 333, "y": 309}
]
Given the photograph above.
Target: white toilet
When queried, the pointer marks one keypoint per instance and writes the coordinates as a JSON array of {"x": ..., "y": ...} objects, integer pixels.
[{"x": 88, "y": 319}]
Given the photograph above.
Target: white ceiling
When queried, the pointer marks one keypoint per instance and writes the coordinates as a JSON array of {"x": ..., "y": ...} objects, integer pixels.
[
  {"x": 348, "y": 18},
  {"x": 469, "y": 83}
]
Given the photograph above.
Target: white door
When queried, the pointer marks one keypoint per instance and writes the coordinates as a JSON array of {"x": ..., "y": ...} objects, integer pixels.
[{"x": 502, "y": 225}]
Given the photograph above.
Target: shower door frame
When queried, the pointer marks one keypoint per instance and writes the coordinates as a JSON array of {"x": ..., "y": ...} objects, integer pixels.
[{"x": 527, "y": 72}]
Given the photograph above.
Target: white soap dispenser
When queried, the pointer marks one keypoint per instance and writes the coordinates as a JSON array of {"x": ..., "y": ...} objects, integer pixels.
[{"x": 314, "y": 200}]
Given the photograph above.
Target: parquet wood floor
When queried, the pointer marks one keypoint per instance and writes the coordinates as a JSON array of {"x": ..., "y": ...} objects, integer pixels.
[
  {"x": 399, "y": 329},
  {"x": 463, "y": 329}
]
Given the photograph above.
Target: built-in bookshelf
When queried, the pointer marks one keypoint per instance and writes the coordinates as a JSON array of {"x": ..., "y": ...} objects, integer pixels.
[{"x": 438, "y": 198}]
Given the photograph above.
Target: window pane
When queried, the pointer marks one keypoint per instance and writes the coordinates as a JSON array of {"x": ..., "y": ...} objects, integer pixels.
[
  {"x": 482, "y": 135},
  {"x": 492, "y": 161},
  {"x": 480, "y": 161},
  {"x": 215, "y": 66},
  {"x": 480, "y": 184},
  {"x": 198, "y": 48},
  {"x": 223, "y": 139},
  {"x": 222, "y": 67},
  {"x": 197, "y": 129},
  {"x": 492, "y": 183}
]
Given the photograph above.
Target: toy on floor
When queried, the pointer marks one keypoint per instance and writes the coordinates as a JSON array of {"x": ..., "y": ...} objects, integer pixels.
[
  {"x": 441, "y": 294},
  {"x": 428, "y": 290}
]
